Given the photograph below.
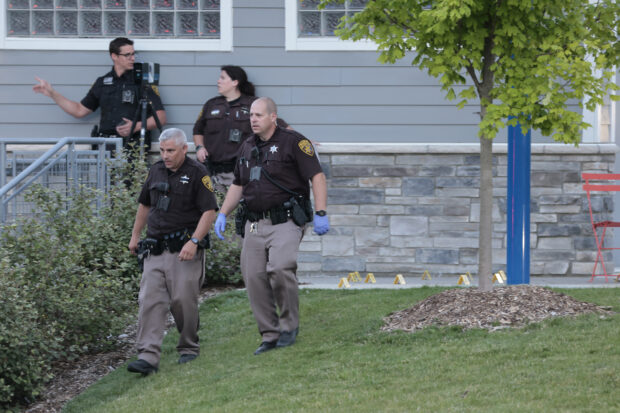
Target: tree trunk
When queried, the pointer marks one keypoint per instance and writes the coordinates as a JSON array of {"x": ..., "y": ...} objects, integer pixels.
[{"x": 485, "y": 250}]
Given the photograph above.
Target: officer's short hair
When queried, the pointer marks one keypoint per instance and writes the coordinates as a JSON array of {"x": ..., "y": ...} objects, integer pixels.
[
  {"x": 270, "y": 105},
  {"x": 175, "y": 134},
  {"x": 116, "y": 44}
]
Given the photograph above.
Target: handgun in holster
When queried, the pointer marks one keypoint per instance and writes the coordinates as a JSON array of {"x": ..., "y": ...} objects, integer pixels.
[
  {"x": 298, "y": 211},
  {"x": 241, "y": 216},
  {"x": 145, "y": 247}
]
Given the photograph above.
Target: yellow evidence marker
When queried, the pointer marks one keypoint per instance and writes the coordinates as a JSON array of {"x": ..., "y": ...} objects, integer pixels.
[
  {"x": 399, "y": 279},
  {"x": 426, "y": 275},
  {"x": 463, "y": 279},
  {"x": 344, "y": 282},
  {"x": 499, "y": 276},
  {"x": 354, "y": 277},
  {"x": 370, "y": 277}
]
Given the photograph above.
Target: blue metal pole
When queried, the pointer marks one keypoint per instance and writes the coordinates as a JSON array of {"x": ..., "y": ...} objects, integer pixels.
[{"x": 518, "y": 206}]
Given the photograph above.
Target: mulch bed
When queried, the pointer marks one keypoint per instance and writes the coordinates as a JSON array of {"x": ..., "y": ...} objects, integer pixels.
[{"x": 511, "y": 306}]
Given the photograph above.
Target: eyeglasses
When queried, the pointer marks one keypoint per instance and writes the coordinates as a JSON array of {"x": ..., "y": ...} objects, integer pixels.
[{"x": 127, "y": 54}]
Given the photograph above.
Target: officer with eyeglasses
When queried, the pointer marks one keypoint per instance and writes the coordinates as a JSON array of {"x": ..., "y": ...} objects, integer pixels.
[{"x": 116, "y": 94}]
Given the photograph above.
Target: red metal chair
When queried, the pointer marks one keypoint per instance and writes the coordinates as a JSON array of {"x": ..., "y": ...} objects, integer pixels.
[{"x": 600, "y": 227}]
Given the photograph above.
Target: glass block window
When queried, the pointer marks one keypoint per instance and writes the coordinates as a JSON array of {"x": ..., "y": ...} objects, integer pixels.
[
  {"x": 112, "y": 18},
  {"x": 313, "y": 22}
]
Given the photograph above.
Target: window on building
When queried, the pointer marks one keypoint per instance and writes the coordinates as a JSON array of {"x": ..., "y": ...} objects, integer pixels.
[
  {"x": 308, "y": 28},
  {"x": 34, "y": 21},
  {"x": 314, "y": 22}
]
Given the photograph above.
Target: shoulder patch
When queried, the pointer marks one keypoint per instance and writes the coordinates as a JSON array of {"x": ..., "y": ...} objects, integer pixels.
[
  {"x": 306, "y": 147},
  {"x": 200, "y": 114},
  {"x": 206, "y": 181},
  {"x": 155, "y": 89}
]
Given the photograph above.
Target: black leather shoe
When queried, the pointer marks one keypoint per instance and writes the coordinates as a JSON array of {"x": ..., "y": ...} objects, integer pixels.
[
  {"x": 265, "y": 346},
  {"x": 287, "y": 338},
  {"x": 186, "y": 358},
  {"x": 143, "y": 367}
]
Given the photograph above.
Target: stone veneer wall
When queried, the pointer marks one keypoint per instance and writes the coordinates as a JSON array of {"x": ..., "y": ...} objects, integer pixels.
[{"x": 407, "y": 208}]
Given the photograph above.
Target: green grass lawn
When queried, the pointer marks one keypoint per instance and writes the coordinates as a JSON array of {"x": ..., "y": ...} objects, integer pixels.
[{"x": 342, "y": 362}]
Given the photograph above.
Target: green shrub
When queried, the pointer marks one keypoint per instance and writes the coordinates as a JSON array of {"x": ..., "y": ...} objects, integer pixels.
[
  {"x": 23, "y": 349},
  {"x": 68, "y": 279}
]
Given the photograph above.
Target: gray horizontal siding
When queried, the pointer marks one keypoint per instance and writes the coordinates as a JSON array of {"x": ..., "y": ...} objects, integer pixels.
[
  {"x": 336, "y": 96},
  {"x": 258, "y": 17}
]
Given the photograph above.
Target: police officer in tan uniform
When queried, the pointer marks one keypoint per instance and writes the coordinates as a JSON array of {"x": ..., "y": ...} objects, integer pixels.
[
  {"x": 224, "y": 123},
  {"x": 177, "y": 204},
  {"x": 272, "y": 174}
]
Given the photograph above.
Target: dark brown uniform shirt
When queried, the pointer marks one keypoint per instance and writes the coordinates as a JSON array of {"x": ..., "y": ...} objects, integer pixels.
[
  {"x": 218, "y": 118},
  {"x": 190, "y": 194},
  {"x": 118, "y": 97},
  {"x": 288, "y": 157}
]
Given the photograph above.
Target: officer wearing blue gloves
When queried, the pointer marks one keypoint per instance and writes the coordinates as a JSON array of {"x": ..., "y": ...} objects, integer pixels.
[{"x": 271, "y": 187}]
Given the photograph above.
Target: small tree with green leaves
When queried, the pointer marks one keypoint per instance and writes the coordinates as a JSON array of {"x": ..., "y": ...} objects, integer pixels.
[{"x": 524, "y": 59}]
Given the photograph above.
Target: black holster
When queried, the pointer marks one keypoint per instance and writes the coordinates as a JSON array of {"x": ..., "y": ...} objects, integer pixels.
[
  {"x": 241, "y": 217},
  {"x": 146, "y": 247},
  {"x": 300, "y": 210}
]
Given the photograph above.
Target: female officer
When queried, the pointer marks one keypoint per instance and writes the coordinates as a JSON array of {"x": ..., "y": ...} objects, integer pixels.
[{"x": 224, "y": 123}]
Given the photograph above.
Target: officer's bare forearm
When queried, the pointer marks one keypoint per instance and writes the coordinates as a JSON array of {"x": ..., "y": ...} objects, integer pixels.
[
  {"x": 201, "y": 153},
  {"x": 73, "y": 108},
  {"x": 138, "y": 226},
  {"x": 319, "y": 190},
  {"x": 199, "y": 140},
  {"x": 204, "y": 224},
  {"x": 151, "y": 123},
  {"x": 140, "y": 221},
  {"x": 233, "y": 195}
]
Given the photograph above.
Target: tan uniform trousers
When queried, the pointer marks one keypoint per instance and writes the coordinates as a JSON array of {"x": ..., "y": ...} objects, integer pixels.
[
  {"x": 222, "y": 181},
  {"x": 269, "y": 265},
  {"x": 169, "y": 284}
]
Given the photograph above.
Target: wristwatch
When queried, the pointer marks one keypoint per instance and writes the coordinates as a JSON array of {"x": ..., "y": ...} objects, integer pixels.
[
  {"x": 199, "y": 147},
  {"x": 321, "y": 213},
  {"x": 194, "y": 240}
]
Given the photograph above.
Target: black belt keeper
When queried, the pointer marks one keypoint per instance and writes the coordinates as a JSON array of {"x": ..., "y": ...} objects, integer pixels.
[
  {"x": 254, "y": 216},
  {"x": 174, "y": 242}
]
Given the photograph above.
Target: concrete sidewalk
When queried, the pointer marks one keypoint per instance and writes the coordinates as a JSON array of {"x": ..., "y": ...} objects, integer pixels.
[{"x": 325, "y": 282}]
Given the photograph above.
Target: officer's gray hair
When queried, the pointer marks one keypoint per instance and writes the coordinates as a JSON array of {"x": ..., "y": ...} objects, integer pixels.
[{"x": 173, "y": 133}]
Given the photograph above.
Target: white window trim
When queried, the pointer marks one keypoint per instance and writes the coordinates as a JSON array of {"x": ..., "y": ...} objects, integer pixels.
[
  {"x": 593, "y": 133},
  {"x": 224, "y": 43},
  {"x": 293, "y": 42}
]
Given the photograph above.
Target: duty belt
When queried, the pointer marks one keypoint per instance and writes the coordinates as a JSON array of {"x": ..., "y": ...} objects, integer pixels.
[
  {"x": 278, "y": 215},
  {"x": 172, "y": 242},
  {"x": 297, "y": 209}
]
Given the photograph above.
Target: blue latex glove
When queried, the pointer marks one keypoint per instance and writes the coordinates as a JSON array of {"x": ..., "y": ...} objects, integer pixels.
[
  {"x": 321, "y": 224},
  {"x": 220, "y": 225}
]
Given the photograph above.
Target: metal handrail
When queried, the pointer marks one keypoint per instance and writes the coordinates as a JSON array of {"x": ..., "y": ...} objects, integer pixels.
[{"x": 58, "y": 145}]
